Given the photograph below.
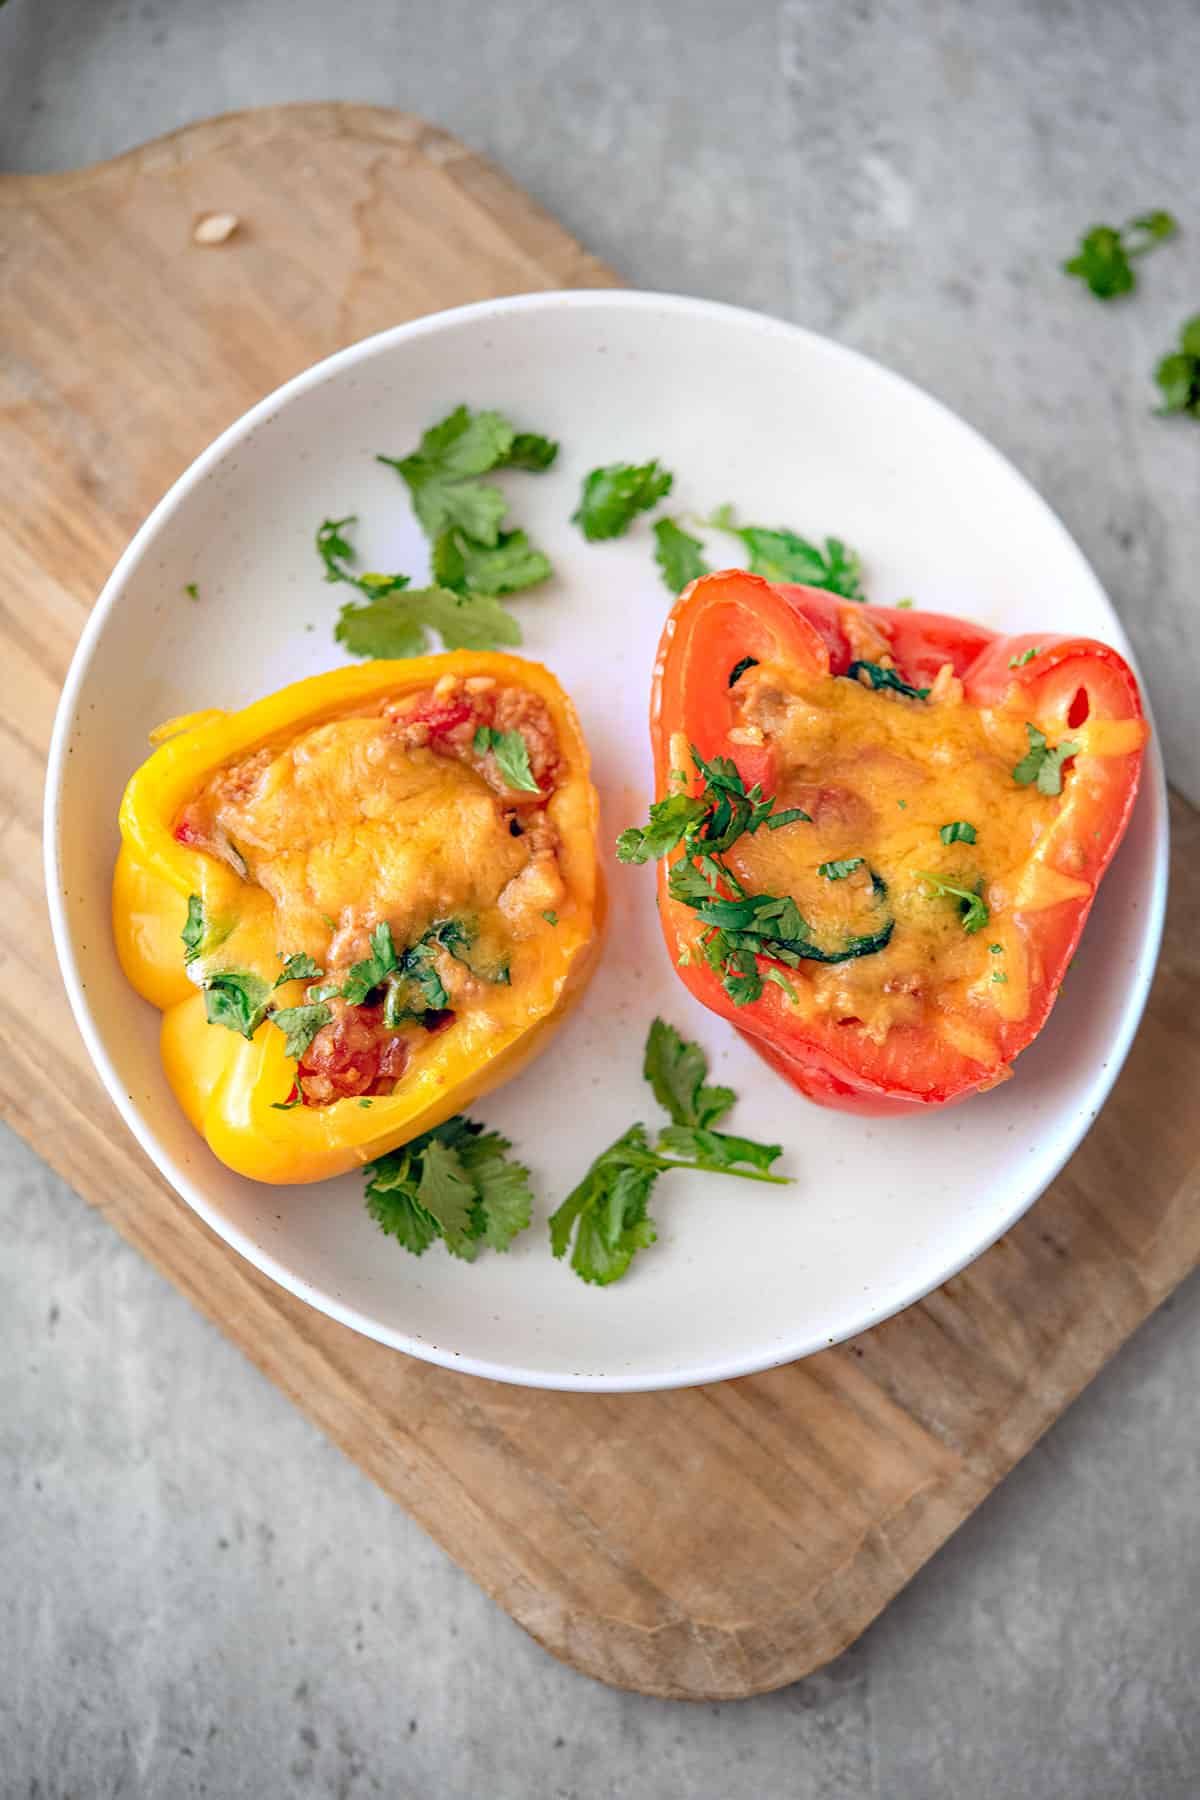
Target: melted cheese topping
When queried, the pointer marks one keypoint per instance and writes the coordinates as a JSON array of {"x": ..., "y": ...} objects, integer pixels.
[
  {"x": 880, "y": 775},
  {"x": 347, "y": 825}
]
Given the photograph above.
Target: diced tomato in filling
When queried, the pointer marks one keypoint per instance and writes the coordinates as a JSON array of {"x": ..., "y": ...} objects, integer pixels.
[
  {"x": 441, "y": 716},
  {"x": 353, "y": 1055}
]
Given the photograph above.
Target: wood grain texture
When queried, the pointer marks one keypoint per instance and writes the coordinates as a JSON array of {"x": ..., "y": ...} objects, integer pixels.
[{"x": 702, "y": 1544}]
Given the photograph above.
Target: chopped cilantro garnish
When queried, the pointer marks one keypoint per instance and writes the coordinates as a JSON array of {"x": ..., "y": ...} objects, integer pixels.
[
  {"x": 999, "y": 975},
  {"x": 191, "y": 590},
  {"x": 838, "y": 871},
  {"x": 739, "y": 927},
  {"x": 550, "y": 917},
  {"x": 298, "y": 967},
  {"x": 293, "y": 1099},
  {"x": 613, "y": 496},
  {"x": 1026, "y": 656},
  {"x": 1178, "y": 375},
  {"x": 880, "y": 677},
  {"x": 374, "y": 969},
  {"x": 680, "y": 557},
  {"x": 512, "y": 757},
  {"x": 300, "y": 1025},
  {"x": 1105, "y": 255},
  {"x": 237, "y": 999},
  {"x": 604, "y": 1221},
  {"x": 996, "y": 949},
  {"x": 1041, "y": 764},
  {"x": 959, "y": 831},
  {"x": 974, "y": 909},
  {"x": 905, "y": 605},
  {"x": 783, "y": 555},
  {"x": 193, "y": 931},
  {"x": 456, "y": 1182}
]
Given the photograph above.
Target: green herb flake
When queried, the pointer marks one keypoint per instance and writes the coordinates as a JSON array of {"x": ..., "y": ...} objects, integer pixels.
[
  {"x": 838, "y": 871},
  {"x": 613, "y": 496},
  {"x": 551, "y": 918},
  {"x": 298, "y": 967},
  {"x": 509, "y": 566},
  {"x": 300, "y": 1025},
  {"x": 885, "y": 679},
  {"x": 237, "y": 999},
  {"x": 1104, "y": 260},
  {"x": 783, "y": 555},
  {"x": 442, "y": 473},
  {"x": 999, "y": 975},
  {"x": 677, "y": 1072},
  {"x": 1178, "y": 374},
  {"x": 193, "y": 931},
  {"x": 293, "y": 1099},
  {"x": 512, "y": 757},
  {"x": 974, "y": 909},
  {"x": 1026, "y": 656},
  {"x": 364, "y": 1103},
  {"x": 1042, "y": 765},
  {"x": 680, "y": 557},
  {"x": 191, "y": 590},
  {"x": 959, "y": 831},
  {"x": 996, "y": 949},
  {"x": 905, "y": 605}
]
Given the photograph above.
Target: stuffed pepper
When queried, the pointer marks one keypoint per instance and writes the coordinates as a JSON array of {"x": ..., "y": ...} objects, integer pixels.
[
  {"x": 882, "y": 830},
  {"x": 360, "y": 903}
]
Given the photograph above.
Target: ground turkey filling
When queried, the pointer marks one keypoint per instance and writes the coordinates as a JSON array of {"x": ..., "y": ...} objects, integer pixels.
[{"x": 357, "y": 821}]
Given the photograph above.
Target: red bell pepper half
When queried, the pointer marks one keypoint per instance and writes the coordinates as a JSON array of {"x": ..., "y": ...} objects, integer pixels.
[{"x": 1077, "y": 697}]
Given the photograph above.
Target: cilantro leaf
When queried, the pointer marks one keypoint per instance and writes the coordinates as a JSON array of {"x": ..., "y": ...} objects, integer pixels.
[
  {"x": 530, "y": 451},
  {"x": 337, "y": 552},
  {"x": 612, "y": 497},
  {"x": 838, "y": 871},
  {"x": 442, "y": 473},
  {"x": 372, "y": 970},
  {"x": 470, "y": 568},
  {"x": 959, "y": 831},
  {"x": 193, "y": 931},
  {"x": 237, "y": 999},
  {"x": 1026, "y": 656},
  {"x": 1178, "y": 375},
  {"x": 301, "y": 1025},
  {"x": 512, "y": 757},
  {"x": 716, "y": 1150},
  {"x": 1106, "y": 252},
  {"x": 669, "y": 820},
  {"x": 455, "y": 1182},
  {"x": 394, "y": 625},
  {"x": 677, "y": 1071},
  {"x": 298, "y": 967},
  {"x": 607, "y": 1210},
  {"x": 880, "y": 677},
  {"x": 1041, "y": 764},
  {"x": 680, "y": 556},
  {"x": 783, "y": 555},
  {"x": 447, "y": 1194},
  {"x": 974, "y": 909}
]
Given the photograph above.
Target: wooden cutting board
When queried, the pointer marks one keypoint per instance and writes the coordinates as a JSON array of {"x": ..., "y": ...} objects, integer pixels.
[{"x": 703, "y": 1544}]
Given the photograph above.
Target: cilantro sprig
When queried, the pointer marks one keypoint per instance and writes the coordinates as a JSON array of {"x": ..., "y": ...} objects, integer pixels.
[
  {"x": 959, "y": 831},
  {"x": 604, "y": 1221},
  {"x": 613, "y": 496},
  {"x": 1106, "y": 254},
  {"x": 782, "y": 555},
  {"x": 1178, "y": 374},
  {"x": 1041, "y": 765},
  {"x": 457, "y": 1183}
]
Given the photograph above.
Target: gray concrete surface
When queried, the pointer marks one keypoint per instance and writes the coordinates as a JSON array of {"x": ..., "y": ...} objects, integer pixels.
[{"x": 197, "y": 1594}]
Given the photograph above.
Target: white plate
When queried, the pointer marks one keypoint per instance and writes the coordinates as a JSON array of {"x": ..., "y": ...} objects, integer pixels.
[{"x": 793, "y": 429}]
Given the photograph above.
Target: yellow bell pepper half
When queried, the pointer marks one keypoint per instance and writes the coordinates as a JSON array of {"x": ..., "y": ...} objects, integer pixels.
[{"x": 233, "y": 1089}]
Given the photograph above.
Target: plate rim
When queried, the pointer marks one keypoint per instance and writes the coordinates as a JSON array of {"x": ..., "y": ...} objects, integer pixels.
[{"x": 1153, "y": 795}]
